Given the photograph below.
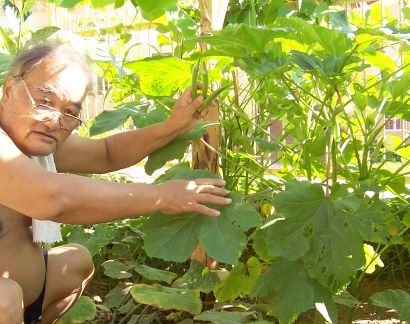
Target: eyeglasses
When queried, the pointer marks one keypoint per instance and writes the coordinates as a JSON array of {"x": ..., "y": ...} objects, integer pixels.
[{"x": 44, "y": 113}]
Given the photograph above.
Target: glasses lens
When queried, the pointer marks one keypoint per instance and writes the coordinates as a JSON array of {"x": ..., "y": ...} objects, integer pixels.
[
  {"x": 69, "y": 122},
  {"x": 45, "y": 113}
]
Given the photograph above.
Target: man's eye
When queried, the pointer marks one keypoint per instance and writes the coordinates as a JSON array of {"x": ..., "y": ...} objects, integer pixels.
[
  {"x": 70, "y": 112},
  {"x": 44, "y": 101}
]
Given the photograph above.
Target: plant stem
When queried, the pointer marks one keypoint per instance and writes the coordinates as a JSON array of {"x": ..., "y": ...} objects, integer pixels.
[{"x": 132, "y": 311}]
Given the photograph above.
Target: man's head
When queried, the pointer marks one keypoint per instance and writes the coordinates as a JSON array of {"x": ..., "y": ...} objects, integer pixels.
[{"x": 47, "y": 75}]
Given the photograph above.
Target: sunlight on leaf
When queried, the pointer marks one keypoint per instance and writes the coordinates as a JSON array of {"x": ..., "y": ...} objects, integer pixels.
[{"x": 168, "y": 298}]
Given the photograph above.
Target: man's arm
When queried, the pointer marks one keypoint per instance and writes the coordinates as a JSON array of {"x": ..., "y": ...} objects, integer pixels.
[
  {"x": 33, "y": 191},
  {"x": 123, "y": 150}
]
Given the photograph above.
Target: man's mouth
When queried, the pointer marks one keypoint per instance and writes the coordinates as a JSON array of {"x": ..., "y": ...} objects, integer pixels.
[{"x": 47, "y": 136}]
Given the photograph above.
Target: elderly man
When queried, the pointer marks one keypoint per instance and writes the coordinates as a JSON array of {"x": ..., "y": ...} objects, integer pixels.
[{"x": 39, "y": 108}]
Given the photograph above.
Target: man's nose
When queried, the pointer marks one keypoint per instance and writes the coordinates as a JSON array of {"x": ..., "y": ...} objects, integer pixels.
[{"x": 53, "y": 123}]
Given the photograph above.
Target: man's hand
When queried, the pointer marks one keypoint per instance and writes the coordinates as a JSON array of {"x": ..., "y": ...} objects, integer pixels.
[
  {"x": 184, "y": 196},
  {"x": 184, "y": 114}
]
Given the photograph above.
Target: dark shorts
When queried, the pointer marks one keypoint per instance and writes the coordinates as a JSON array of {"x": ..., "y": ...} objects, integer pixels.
[{"x": 32, "y": 313}]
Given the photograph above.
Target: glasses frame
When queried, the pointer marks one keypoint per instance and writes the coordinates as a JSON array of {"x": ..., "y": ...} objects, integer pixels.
[{"x": 60, "y": 114}]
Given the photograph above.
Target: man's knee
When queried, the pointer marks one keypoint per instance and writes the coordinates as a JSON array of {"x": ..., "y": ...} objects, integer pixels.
[
  {"x": 11, "y": 302},
  {"x": 82, "y": 261}
]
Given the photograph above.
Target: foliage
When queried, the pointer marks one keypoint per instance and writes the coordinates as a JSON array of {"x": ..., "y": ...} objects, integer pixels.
[
  {"x": 316, "y": 202},
  {"x": 396, "y": 299},
  {"x": 83, "y": 310}
]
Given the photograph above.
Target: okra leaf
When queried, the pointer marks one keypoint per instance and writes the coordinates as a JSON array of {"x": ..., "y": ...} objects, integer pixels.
[
  {"x": 175, "y": 237},
  {"x": 239, "y": 281},
  {"x": 155, "y": 274},
  {"x": 198, "y": 277},
  {"x": 174, "y": 150},
  {"x": 161, "y": 76},
  {"x": 240, "y": 40},
  {"x": 294, "y": 292},
  {"x": 111, "y": 119},
  {"x": 397, "y": 299},
  {"x": 151, "y": 10},
  {"x": 168, "y": 298},
  {"x": 83, "y": 310},
  {"x": 317, "y": 229}
]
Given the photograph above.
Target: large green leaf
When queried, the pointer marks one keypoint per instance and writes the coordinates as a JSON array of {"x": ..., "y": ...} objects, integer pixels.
[
  {"x": 183, "y": 171},
  {"x": 399, "y": 87},
  {"x": 265, "y": 65},
  {"x": 118, "y": 269},
  {"x": 333, "y": 42},
  {"x": 101, "y": 3},
  {"x": 382, "y": 61},
  {"x": 5, "y": 61},
  {"x": 168, "y": 298},
  {"x": 83, "y": 310},
  {"x": 175, "y": 237},
  {"x": 42, "y": 34},
  {"x": 9, "y": 43},
  {"x": 162, "y": 76},
  {"x": 346, "y": 299},
  {"x": 398, "y": 109},
  {"x": 311, "y": 226},
  {"x": 65, "y": 3},
  {"x": 116, "y": 296},
  {"x": 174, "y": 150},
  {"x": 294, "y": 292},
  {"x": 397, "y": 299},
  {"x": 153, "y": 9},
  {"x": 102, "y": 235},
  {"x": 111, "y": 119},
  {"x": 240, "y": 40},
  {"x": 239, "y": 281},
  {"x": 198, "y": 277},
  {"x": 155, "y": 274}
]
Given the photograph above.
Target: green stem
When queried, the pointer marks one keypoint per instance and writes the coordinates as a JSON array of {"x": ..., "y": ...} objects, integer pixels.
[
  {"x": 303, "y": 90},
  {"x": 383, "y": 79},
  {"x": 268, "y": 182},
  {"x": 396, "y": 173},
  {"x": 20, "y": 24},
  {"x": 142, "y": 313},
  {"x": 132, "y": 311}
]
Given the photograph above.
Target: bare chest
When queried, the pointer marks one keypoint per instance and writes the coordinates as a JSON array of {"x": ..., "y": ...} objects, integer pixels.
[{"x": 11, "y": 221}]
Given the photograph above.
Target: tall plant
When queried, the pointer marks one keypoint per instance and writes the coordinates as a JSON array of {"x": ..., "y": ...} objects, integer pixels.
[
  {"x": 302, "y": 149},
  {"x": 333, "y": 88}
]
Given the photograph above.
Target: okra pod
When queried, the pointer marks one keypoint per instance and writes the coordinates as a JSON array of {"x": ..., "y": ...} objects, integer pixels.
[
  {"x": 203, "y": 71},
  {"x": 211, "y": 97},
  {"x": 194, "y": 86}
]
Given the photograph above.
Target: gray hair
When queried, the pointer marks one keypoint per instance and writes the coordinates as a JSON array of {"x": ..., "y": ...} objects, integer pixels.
[{"x": 55, "y": 52}]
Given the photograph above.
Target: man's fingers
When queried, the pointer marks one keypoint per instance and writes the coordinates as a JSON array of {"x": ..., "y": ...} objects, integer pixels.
[
  {"x": 215, "y": 190},
  {"x": 204, "y": 210},
  {"x": 210, "y": 181},
  {"x": 206, "y": 198}
]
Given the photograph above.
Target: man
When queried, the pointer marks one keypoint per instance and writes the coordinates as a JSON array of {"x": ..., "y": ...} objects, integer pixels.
[{"x": 39, "y": 108}]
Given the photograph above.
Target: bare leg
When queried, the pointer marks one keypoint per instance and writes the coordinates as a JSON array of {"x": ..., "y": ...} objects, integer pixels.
[
  {"x": 11, "y": 302},
  {"x": 69, "y": 270}
]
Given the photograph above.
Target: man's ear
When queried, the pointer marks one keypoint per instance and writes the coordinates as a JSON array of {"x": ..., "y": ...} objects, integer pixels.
[{"x": 7, "y": 87}]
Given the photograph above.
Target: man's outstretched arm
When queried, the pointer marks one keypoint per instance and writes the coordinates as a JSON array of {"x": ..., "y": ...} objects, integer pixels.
[
  {"x": 122, "y": 150},
  {"x": 35, "y": 192}
]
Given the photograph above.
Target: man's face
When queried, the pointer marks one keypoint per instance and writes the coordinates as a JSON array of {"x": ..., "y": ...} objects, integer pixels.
[{"x": 48, "y": 83}]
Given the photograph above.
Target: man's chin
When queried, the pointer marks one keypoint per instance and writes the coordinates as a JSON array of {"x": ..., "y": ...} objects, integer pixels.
[{"x": 40, "y": 150}]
